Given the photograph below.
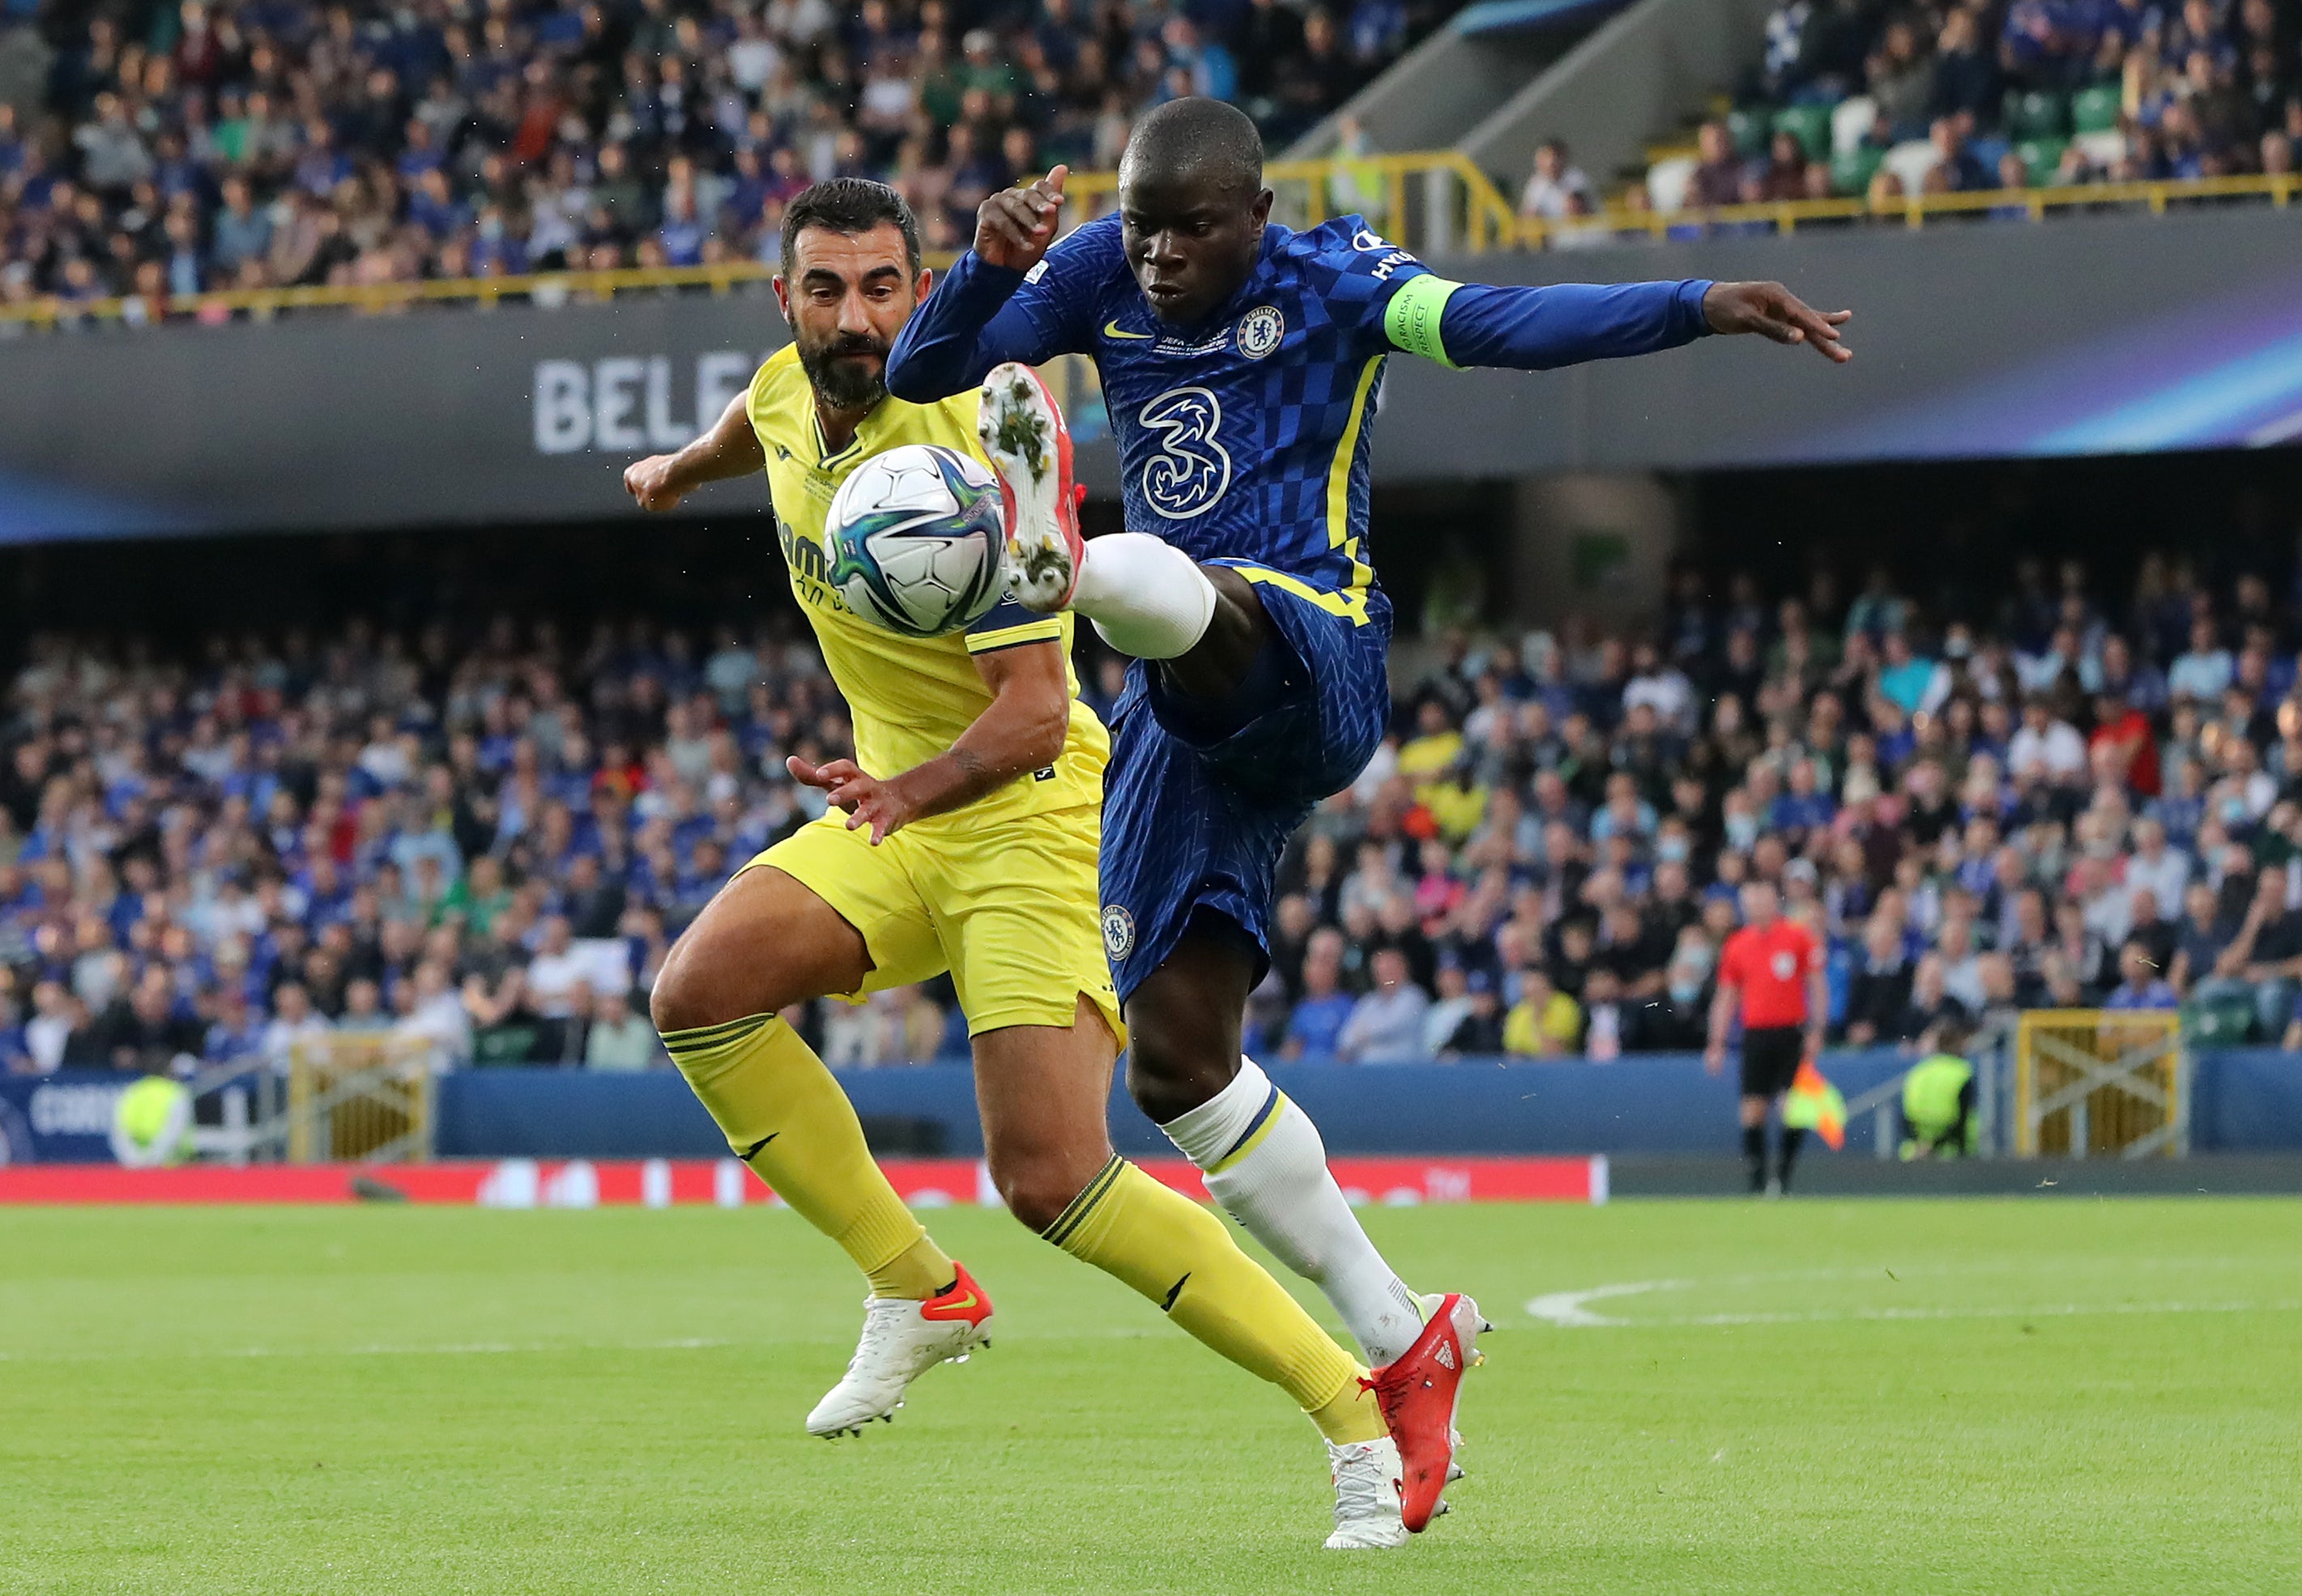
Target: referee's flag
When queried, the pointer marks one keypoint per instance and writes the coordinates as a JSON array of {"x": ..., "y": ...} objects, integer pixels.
[{"x": 1814, "y": 1104}]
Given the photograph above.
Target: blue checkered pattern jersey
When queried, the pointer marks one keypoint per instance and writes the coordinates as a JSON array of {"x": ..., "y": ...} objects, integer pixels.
[{"x": 1244, "y": 440}]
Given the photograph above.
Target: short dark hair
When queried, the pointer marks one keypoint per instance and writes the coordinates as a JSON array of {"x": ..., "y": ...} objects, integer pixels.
[
  {"x": 849, "y": 206},
  {"x": 1194, "y": 133}
]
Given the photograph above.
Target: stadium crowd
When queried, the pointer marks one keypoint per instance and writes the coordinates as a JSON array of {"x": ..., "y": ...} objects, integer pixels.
[
  {"x": 1888, "y": 101},
  {"x": 172, "y": 148},
  {"x": 484, "y": 849}
]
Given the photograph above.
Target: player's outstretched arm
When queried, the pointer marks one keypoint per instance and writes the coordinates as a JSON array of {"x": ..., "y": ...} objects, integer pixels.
[
  {"x": 975, "y": 320},
  {"x": 1772, "y": 311},
  {"x": 1022, "y": 729},
  {"x": 1539, "y": 329},
  {"x": 729, "y": 449}
]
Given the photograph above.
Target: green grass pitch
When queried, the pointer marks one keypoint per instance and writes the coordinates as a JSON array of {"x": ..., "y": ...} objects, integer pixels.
[{"x": 2054, "y": 1395}]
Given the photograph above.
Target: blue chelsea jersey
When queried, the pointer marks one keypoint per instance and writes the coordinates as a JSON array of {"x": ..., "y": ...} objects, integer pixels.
[{"x": 1245, "y": 437}]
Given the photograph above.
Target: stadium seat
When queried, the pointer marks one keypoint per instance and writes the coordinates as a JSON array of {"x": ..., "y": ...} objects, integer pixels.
[
  {"x": 2222, "y": 1022},
  {"x": 2036, "y": 114},
  {"x": 1850, "y": 123},
  {"x": 1851, "y": 172},
  {"x": 1809, "y": 125},
  {"x": 503, "y": 1044},
  {"x": 2096, "y": 110},
  {"x": 2042, "y": 157},
  {"x": 1750, "y": 129}
]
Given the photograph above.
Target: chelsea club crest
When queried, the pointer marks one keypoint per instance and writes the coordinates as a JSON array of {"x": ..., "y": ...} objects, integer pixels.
[
  {"x": 1260, "y": 330},
  {"x": 1118, "y": 933}
]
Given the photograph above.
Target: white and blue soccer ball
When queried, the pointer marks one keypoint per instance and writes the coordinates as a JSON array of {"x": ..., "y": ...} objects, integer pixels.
[{"x": 913, "y": 540}]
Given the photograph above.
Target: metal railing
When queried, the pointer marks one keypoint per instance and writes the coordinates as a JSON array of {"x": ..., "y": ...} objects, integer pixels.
[
  {"x": 364, "y": 1098},
  {"x": 1914, "y": 211},
  {"x": 2093, "y": 1083},
  {"x": 1986, "y": 1053},
  {"x": 386, "y": 299},
  {"x": 1434, "y": 203}
]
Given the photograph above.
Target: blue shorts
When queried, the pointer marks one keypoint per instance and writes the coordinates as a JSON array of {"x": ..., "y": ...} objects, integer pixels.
[{"x": 1197, "y": 812}]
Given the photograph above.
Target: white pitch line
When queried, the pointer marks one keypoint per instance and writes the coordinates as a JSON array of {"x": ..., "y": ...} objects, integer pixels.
[
  {"x": 1570, "y": 1310},
  {"x": 1567, "y": 1309},
  {"x": 2056, "y": 1310}
]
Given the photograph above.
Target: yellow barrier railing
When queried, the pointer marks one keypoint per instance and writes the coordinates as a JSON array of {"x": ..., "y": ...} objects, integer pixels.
[
  {"x": 1434, "y": 203},
  {"x": 360, "y": 1096},
  {"x": 1412, "y": 199},
  {"x": 385, "y": 297},
  {"x": 2092, "y": 1083},
  {"x": 1914, "y": 211}
]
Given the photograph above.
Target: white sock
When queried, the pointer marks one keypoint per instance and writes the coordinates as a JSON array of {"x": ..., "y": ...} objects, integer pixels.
[
  {"x": 1147, "y": 599},
  {"x": 1265, "y": 1163}
]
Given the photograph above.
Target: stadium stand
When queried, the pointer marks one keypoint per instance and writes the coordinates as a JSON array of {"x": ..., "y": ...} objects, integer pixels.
[
  {"x": 1890, "y": 103},
  {"x": 484, "y": 841},
  {"x": 171, "y": 150},
  {"x": 209, "y": 160}
]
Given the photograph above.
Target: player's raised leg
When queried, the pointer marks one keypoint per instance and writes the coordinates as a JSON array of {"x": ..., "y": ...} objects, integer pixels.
[
  {"x": 1043, "y": 1090},
  {"x": 1264, "y": 1158},
  {"x": 764, "y": 943},
  {"x": 1146, "y": 598}
]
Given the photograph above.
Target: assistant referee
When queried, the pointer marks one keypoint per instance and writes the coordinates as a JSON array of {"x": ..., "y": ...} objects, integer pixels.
[{"x": 1771, "y": 976}]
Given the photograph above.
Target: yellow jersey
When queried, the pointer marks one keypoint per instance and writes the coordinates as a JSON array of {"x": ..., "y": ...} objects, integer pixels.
[{"x": 910, "y": 698}]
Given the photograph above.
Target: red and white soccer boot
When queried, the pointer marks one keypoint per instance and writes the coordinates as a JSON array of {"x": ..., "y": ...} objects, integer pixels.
[
  {"x": 902, "y": 1340},
  {"x": 1024, "y": 433},
  {"x": 1418, "y": 1395}
]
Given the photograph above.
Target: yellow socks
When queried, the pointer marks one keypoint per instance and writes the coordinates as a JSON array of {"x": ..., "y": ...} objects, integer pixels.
[
  {"x": 784, "y": 1114},
  {"x": 785, "y": 1117},
  {"x": 1179, "y": 1255}
]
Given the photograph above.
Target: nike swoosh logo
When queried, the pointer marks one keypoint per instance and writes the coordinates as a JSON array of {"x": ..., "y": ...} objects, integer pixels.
[
  {"x": 1112, "y": 329},
  {"x": 1174, "y": 1291},
  {"x": 957, "y": 1308},
  {"x": 753, "y": 1151}
]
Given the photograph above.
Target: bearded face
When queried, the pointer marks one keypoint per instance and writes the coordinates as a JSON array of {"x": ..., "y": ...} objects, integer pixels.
[{"x": 848, "y": 368}]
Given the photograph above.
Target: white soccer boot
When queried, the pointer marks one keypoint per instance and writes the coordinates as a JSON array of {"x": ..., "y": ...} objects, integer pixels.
[
  {"x": 902, "y": 1340},
  {"x": 1366, "y": 1496},
  {"x": 1023, "y": 433}
]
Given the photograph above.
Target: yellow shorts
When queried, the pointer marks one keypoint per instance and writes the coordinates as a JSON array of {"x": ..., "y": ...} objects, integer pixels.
[{"x": 1012, "y": 908}]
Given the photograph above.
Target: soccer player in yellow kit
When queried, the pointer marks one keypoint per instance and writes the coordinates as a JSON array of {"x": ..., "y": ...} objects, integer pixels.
[{"x": 962, "y": 837}]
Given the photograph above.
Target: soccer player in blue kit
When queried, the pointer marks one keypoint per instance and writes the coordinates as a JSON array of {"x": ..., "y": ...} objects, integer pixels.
[{"x": 1240, "y": 363}]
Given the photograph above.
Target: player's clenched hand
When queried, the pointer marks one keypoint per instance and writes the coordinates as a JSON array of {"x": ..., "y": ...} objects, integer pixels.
[
  {"x": 1714, "y": 1060},
  {"x": 1772, "y": 311},
  {"x": 651, "y": 481},
  {"x": 867, "y": 801},
  {"x": 1014, "y": 227}
]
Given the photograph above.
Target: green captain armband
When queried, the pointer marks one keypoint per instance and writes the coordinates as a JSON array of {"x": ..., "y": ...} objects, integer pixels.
[{"x": 1411, "y": 319}]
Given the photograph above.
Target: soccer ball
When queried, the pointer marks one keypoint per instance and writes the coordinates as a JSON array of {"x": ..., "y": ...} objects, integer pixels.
[{"x": 914, "y": 537}]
